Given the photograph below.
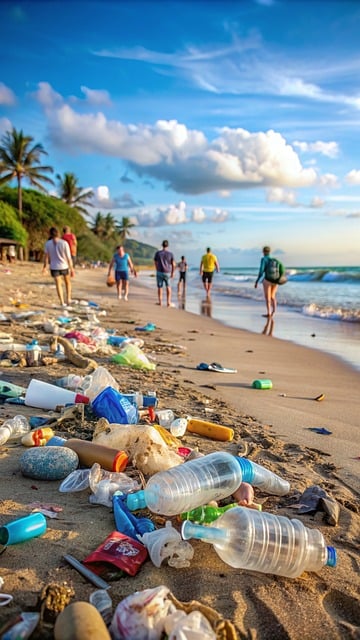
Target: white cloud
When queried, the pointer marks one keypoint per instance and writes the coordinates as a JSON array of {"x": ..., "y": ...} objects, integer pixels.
[
  {"x": 5, "y": 125},
  {"x": 7, "y": 96},
  {"x": 282, "y": 196},
  {"x": 184, "y": 159},
  {"x": 219, "y": 216},
  {"x": 198, "y": 215},
  {"x": 317, "y": 202},
  {"x": 329, "y": 149},
  {"x": 353, "y": 177},
  {"x": 174, "y": 214},
  {"x": 329, "y": 181},
  {"x": 94, "y": 97}
]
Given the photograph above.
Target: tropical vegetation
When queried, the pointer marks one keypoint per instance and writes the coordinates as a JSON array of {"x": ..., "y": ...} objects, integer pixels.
[{"x": 27, "y": 214}]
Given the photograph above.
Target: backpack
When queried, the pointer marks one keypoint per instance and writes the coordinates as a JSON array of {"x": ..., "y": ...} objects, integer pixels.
[{"x": 275, "y": 271}]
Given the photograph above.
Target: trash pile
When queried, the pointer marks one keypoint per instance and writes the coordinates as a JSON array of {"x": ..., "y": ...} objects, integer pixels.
[{"x": 136, "y": 465}]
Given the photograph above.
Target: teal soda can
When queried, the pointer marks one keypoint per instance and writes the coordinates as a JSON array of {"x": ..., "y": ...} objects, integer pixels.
[{"x": 262, "y": 384}]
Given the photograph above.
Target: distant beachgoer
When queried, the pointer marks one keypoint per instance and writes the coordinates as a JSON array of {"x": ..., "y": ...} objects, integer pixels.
[
  {"x": 122, "y": 263},
  {"x": 57, "y": 255},
  {"x": 11, "y": 253},
  {"x": 72, "y": 242},
  {"x": 270, "y": 288},
  {"x": 165, "y": 267},
  {"x": 208, "y": 264},
  {"x": 183, "y": 267}
]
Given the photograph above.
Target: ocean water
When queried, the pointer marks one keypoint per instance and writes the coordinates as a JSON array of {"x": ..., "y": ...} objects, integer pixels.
[{"x": 318, "y": 307}]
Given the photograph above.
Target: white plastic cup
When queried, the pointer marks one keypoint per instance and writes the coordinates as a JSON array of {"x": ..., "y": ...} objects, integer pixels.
[
  {"x": 178, "y": 427},
  {"x": 48, "y": 396}
]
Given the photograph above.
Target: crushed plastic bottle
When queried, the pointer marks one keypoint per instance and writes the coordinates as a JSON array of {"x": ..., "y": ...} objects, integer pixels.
[{"x": 13, "y": 429}]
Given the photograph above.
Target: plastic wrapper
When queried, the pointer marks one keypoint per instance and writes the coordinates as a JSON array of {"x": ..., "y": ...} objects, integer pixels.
[
  {"x": 132, "y": 356},
  {"x": 97, "y": 381},
  {"x": 104, "y": 484},
  {"x": 143, "y": 444}
]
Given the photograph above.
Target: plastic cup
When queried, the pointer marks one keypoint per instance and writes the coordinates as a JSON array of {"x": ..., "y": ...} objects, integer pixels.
[
  {"x": 48, "y": 396},
  {"x": 23, "y": 529},
  {"x": 262, "y": 384}
]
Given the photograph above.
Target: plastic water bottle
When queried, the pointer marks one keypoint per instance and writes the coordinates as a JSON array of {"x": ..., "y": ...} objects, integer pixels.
[
  {"x": 14, "y": 428},
  {"x": 197, "y": 482},
  {"x": 258, "y": 541},
  {"x": 72, "y": 381},
  {"x": 165, "y": 417},
  {"x": 33, "y": 351}
]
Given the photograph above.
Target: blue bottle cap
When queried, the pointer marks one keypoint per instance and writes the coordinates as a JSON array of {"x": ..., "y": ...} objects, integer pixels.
[
  {"x": 136, "y": 500},
  {"x": 247, "y": 469},
  {"x": 331, "y": 557}
]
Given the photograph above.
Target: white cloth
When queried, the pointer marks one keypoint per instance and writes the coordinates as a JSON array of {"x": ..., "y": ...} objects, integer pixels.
[{"x": 59, "y": 254}]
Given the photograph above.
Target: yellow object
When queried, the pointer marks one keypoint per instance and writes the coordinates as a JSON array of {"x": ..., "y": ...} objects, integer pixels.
[
  {"x": 320, "y": 397},
  {"x": 168, "y": 438},
  {"x": 210, "y": 430},
  {"x": 37, "y": 437}
]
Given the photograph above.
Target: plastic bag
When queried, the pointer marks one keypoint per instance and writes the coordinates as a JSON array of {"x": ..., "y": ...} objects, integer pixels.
[
  {"x": 77, "y": 480},
  {"x": 143, "y": 444},
  {"x": 104, "y": 484},
  {"x": 113, "y": 406},
  {"x": 142, "y": 615},
  {"x": 132, "y": 356},
  {"x": 192, "y": 626},
  {"x": 96, "y": 382}
]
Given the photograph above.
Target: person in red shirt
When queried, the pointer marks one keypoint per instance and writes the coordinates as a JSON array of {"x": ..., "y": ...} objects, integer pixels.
[{"x": 72, "y": 242}]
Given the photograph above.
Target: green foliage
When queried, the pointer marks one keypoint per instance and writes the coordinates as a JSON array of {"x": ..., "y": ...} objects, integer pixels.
[
  {"x": 40, "y": 212},
  {"x": 10, "y": 227}
]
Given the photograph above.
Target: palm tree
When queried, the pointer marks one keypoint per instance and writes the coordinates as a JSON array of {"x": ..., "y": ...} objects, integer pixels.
[
  {"x": 74, "y": 195},
  {"x": 98, "y": 226},
  {"x": 123, "y": 228},
  {"x": 20, "y": 159},
  {"x": 104, "y": 226}
]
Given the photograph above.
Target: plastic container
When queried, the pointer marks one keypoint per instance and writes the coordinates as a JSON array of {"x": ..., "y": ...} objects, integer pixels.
[
  {"x": 33, "y": 351},
  {"x": 101, "y": 600},
  {"x": 72, "y": 382},
  {"x": 135, "y": 398},
  {"x": 262, "y": 384},
  {"x": 210, "y": 430},
  {"x": 95, "y": 383},
  {"x": 258, "y": 541},
  {"x": 115, "y": 407},
  {"x": 90, "y": 452},
  {"x": 11, "y": 390},
  {"x": 197, "y": 482},
  {"x": 178, "y": 427},
  {"x": 48, "y": 396},
  {"x": 23, "y": 529},
  {"x": 166, "y": 543},
  {"x": 37, "y": 437},
  {"x": 13, "y": 428},
  {"x": 165, "y": 417}
]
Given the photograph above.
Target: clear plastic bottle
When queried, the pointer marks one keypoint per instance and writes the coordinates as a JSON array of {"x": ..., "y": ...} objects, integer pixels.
[
  {"x": 165, "y": 417},
  {"x": 72, "y": 381},
  {"x": 197, "y": 482},
  {"x": 258, "y": 541},
  {"x": 33, "y": 351},
  {"x": 13, "y": 428}
]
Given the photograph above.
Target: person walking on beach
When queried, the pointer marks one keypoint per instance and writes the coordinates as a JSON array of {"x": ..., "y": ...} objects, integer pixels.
[
  {"x": 270, "y": 288},
  {"x": 70, "y": 238},
  {"x": 165, "y": 267},
  {"x": 57, "y": 255},
  {"x": 183, "y": 267},
  {"x": 208, "y": 264},
  {"x": 122, "y": 263}
]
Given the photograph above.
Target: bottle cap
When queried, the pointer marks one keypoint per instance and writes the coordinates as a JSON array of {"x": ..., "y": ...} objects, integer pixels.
[
  {"x": 120, "y": 461},
  {"x": 331, "y": 557},
  {"x": 80, "y": 399}
]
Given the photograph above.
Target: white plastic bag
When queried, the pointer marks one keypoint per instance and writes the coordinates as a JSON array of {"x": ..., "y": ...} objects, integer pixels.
[{"x": 142, "y": 615}]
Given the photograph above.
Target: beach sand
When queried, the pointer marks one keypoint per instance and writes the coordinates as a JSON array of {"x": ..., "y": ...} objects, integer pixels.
[{"x": 271, "y": 427}]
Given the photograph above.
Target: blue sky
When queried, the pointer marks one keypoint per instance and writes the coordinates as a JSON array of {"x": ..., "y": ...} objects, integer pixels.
[{"x": 223, "y": 124}]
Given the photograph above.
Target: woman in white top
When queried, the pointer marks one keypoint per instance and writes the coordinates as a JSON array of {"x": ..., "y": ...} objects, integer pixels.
[{"x": 57, "y": 255}]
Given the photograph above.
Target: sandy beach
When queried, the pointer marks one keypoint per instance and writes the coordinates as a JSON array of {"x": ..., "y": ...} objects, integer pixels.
[{"x": 272, "y": 427}]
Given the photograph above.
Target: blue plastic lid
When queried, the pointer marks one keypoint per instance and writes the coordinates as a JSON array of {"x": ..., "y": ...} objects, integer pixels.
[
  {"x": 136, "y": 500},
  {"x": 247, "y": 469},
  {"x": 331, "y": 557}
]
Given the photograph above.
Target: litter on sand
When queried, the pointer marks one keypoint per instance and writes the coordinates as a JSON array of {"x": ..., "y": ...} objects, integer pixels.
[
  {"x": 215, "y": 366},
  {"x": 321, "y": 430}
]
